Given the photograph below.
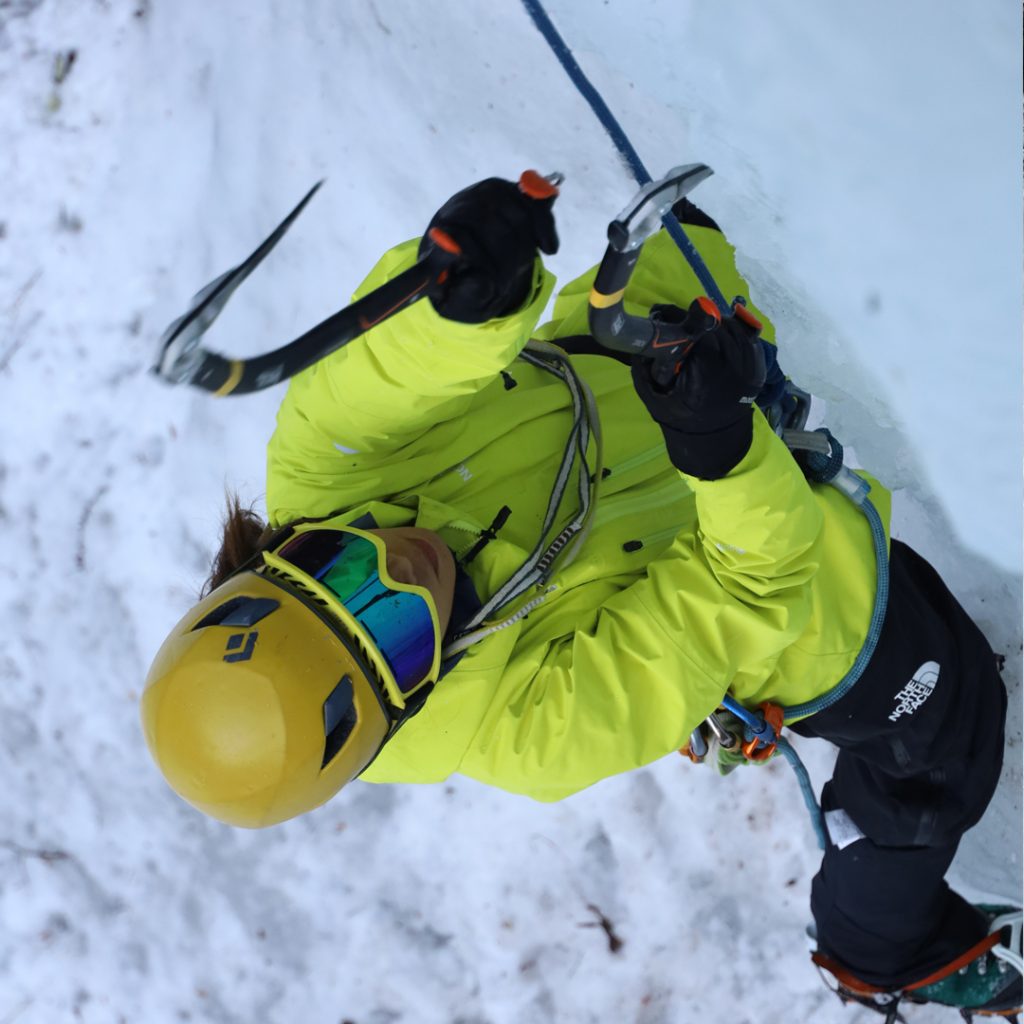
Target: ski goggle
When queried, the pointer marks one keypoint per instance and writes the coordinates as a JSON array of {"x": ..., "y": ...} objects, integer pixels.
[{"x": 396, "y": 623}]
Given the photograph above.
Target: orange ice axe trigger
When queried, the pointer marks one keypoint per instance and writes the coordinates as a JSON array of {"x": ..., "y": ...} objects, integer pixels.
[{"x": 540, "y": 186}]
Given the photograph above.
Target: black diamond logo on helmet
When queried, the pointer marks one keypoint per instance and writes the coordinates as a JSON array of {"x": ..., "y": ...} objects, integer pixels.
[{"x": 240, "y": 646}]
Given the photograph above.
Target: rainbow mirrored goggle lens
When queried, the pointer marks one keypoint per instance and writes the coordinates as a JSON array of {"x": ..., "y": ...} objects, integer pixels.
[{"x": 399, "y": 619}]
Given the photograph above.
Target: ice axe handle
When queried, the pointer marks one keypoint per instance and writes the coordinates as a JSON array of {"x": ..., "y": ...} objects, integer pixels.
[
  {"x": 191, "y": 363},
  {"x": 446, "y": 251},
  {"x": 224, "y": 376},
  {"x": 674, "y": 340},
  {"x": 437, "y": 262}
]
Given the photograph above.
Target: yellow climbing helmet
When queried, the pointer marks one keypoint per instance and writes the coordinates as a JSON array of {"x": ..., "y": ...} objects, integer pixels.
[{"x": 284, "y": 682}]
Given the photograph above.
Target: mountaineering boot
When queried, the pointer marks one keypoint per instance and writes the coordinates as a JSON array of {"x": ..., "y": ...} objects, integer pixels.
[
  {"x": 990, "y": 984},
  {"x": 985, "y": 981}
]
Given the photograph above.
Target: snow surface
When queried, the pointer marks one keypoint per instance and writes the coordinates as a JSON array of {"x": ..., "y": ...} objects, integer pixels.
[{"x": 867, "y": 165}]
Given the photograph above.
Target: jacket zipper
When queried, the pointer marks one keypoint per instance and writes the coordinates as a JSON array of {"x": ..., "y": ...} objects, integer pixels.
[
  {"x": 636, "y": 460},
  {"x": 640, "y": 502}
]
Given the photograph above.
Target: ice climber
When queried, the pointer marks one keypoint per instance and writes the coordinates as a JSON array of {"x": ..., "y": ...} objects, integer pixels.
[{"x": 446, "y": 587}]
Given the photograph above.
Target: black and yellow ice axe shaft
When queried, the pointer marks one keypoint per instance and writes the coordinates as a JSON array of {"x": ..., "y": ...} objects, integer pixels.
[
  {"x": 182, "y": 359},
  {"x": 610, "y": 324}
]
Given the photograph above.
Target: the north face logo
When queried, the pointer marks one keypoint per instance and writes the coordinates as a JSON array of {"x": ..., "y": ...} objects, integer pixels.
[{"x": 917, "y": 691}]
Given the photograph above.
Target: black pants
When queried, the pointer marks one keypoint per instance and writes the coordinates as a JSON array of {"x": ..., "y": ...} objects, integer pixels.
[{"x": 921, "y": 747}]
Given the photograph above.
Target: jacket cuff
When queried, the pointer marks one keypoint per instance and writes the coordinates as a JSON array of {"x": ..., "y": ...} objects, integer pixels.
[{"x": 710, "y": 456}]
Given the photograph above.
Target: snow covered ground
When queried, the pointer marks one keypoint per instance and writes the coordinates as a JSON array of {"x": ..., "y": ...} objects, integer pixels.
[{"x": 867, "y": 165}]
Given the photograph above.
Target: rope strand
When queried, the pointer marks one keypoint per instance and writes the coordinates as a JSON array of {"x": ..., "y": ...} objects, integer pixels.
[{"x": 608, "y": 121}]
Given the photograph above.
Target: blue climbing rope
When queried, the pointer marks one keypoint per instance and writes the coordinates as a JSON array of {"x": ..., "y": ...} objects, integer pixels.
[
  {"x": 547, "y": 29},
  {"x": 756, "y": 726},
  {"x": 806, "y": 789},
  {"x": 823, "y": 469}
]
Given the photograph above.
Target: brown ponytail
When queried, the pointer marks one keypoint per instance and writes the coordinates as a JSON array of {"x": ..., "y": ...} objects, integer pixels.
[{"x": 244, "y": 534}]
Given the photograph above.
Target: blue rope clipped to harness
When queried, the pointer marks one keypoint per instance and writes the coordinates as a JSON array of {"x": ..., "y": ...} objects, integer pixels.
[
  {"x": 823, "y": 463},
  {"x": 759, "y": 730},
  {"x": 558, "y": 45},
  {"x": 828, "y": 468}
]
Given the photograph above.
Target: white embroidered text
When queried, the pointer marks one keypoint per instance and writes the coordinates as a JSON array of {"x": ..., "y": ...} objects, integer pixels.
[{"x": 917, "y": 691}]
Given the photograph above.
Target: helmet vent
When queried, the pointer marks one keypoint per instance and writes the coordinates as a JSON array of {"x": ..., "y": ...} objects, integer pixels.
[
  {"x": 239, "y": 611},
  {"x": 293, "y": 581},
  {"x": 339, "y": 719}
]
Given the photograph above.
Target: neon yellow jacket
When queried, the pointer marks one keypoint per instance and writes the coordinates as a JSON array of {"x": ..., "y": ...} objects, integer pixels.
[{"x": 758, "y": 583}]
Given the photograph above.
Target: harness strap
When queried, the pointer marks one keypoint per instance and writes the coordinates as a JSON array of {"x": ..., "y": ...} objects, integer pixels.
[{"x": 558, "y": 552}]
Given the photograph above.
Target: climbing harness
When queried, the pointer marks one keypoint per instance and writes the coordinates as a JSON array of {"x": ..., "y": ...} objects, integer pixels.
[{"x": 559, "y": 551}]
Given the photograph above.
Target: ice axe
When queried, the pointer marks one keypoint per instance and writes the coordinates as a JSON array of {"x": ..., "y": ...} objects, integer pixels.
[
  {"x": 666, "y": 342},
  {"x": 182, "y": 359}
]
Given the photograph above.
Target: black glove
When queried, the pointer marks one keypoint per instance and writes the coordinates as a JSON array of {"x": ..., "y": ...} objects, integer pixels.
[
  {"x": 706, "y": 413},
  {"x": 499, "y": 229}
]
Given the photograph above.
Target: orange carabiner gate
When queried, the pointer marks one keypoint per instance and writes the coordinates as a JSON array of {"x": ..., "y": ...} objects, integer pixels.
[{"x": 756, "y": 749}]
